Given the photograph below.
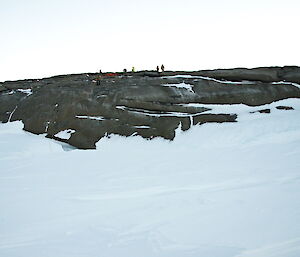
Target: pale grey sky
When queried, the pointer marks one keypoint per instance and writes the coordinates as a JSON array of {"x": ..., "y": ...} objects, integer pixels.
[{"x": 44, "y": 38}]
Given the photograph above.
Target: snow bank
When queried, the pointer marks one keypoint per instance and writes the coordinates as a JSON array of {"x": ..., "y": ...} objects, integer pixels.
[
  {"x": 18, "y": 146},
  {"x": 222, "y": 190}
]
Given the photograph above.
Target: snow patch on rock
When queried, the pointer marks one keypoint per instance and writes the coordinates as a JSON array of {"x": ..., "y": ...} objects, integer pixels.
[
  {"x": 28, "y": 91},
  {"x": 183, "y": 85},
  {"x": 66, "y": 134},
  {"x": 90, "y": 117}
]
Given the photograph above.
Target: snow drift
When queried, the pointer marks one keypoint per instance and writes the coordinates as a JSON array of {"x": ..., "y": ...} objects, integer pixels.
[{"x": 221, "y": 190}]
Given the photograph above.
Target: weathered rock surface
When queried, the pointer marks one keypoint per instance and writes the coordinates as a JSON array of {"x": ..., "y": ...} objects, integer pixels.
[
  {"x": 286, "y": 108},
  {"x": 265, "y": 111},
  {"x": 145, "y": 103}
]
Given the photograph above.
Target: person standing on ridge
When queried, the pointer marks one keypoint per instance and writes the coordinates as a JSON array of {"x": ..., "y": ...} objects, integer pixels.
[
  {"x": 124, "y": 73},
  {"x": 98, "y": 78},
  {"x": 157, "y": 68},
  {"x": 162, "y": 68},
  {"x": 133, "y": 69}
]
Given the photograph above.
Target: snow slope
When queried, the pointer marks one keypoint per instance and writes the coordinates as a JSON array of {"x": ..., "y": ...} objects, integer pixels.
[{"x": 220, "y": 190}]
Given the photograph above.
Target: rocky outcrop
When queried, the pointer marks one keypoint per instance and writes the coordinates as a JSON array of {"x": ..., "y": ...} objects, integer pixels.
[
  {"x": 263, "y": 111},
  {"x": 147, "y": 103},
  {"x": 286, "y": 108},
  {"x": 264, "y": 74}
]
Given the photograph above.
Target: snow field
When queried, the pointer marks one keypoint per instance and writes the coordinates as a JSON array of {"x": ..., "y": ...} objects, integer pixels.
[{"x": 222, "y": 190}]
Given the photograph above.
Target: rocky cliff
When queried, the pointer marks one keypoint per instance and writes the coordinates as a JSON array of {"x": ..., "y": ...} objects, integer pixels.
[{"x": 87, "y": 107}]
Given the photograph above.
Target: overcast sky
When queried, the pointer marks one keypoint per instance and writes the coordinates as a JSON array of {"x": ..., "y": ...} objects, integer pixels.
[{"x": 44, "y": 38}]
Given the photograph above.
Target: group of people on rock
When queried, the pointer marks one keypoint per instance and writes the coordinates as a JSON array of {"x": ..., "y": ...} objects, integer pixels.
[
  {"x": 162, "y": 69},
  {"x": 101, "y": 75}
]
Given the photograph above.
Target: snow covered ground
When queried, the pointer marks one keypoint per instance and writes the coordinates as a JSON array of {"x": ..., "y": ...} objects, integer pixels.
[{"x": 218, "y": 190}]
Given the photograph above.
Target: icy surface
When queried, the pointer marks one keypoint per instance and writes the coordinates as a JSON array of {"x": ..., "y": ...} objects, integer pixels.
[
  {"x": 220, "y": 190},
  {"x": 212, "y": 79},
  {"x": 286, "y": 83},
  {"x": 66, "y": 134},
  {"x": 181, "y": 85},
  {"x": 90, "y": 117},
  {"x": 12, "y": 113},
  {"x": 28, "y": 91},
  {"x": 142, "y": 127}
]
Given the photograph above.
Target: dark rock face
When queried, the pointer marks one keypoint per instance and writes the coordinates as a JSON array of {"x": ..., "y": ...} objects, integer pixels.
[
  {"x": 265, "y": 111},
  {"x": 284, "y": 108},
  {"x": 148, "y": 104}
]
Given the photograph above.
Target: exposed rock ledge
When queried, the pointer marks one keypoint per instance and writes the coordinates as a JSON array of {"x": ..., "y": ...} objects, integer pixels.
[{"x": 143, "y": 103}]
